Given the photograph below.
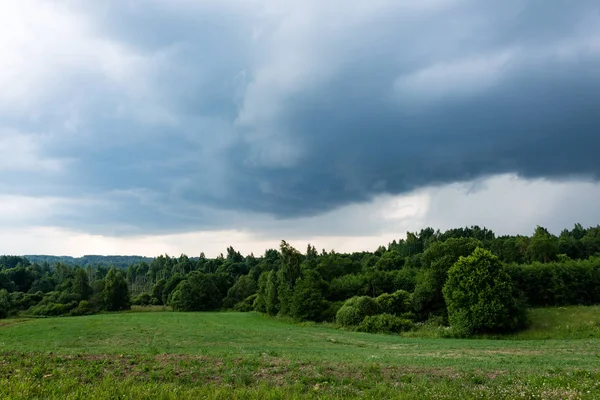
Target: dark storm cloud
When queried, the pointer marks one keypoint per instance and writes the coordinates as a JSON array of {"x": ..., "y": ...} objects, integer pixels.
[
  {"x": 296, "y": 109},
  {"x": 537, "y": 115}
]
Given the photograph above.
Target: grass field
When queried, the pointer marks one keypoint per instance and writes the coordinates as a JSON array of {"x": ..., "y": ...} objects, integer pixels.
[{"x": 234, "y": 355}]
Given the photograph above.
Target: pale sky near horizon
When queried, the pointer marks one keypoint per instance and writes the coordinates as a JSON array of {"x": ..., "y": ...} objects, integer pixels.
[{"x": 151, "y": 127}]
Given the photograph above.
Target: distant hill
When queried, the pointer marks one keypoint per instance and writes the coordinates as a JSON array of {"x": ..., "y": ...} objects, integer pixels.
[{"x": 116, "y": 261}]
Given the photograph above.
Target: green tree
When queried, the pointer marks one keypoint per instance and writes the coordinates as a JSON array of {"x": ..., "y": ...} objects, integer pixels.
[
  {"x": 355, "y": 310},
  {"x": 6, "y": 282},
  {"x": 44, "y": 284},
  {"x": 23, "y": 277},
  {"x": 481, "y": 297},
  {"x": 308, "y": 301},
  {"x": 115, "y": 295},
  {"x": 260, "y": 304},
  {"x": 142, "y": 299},
  {"x": 81, "y": 285},
  {"x": 291, "y": 259},
  {"x": 543, "y": 246},
  {"x": 271, "y": 294},
  {"x": 197, "y": 293},
  {"x": 436, "y": 261},
  {"x": 244, "y": 287},
  {"x": 170, "y": 286},
  {"x": 157, "y": 291},
  {"x": 395, "y": 303},
  {"x": 4, "y": 303},
  {"x": 390, "y": 260}
]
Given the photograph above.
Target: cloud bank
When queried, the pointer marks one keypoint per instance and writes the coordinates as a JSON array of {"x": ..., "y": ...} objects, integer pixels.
[{"x": 164, "y": 117}]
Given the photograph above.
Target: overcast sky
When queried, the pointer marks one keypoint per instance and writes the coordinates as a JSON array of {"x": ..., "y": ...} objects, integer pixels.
[{"x": 181, "y": 126}]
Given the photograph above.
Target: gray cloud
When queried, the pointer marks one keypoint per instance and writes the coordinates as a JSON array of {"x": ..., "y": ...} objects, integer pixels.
[{"x": 184, "y": 116}]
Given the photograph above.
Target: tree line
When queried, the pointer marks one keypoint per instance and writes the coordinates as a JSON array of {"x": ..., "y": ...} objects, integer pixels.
[{"x": 432, "y": 276}]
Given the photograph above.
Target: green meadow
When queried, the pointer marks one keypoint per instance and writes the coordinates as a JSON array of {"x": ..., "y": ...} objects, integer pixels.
[{"x": 223, "y": 355}]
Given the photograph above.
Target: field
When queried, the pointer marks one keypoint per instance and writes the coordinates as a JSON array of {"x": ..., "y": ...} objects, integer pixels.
[{"x": 165, "y": 354}]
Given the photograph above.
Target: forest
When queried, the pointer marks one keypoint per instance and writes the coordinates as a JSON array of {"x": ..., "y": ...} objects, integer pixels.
[{"x": 467, "y": 278}]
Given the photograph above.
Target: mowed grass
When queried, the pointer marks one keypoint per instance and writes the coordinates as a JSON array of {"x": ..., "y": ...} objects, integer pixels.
[{"x": 247, "y": 355}]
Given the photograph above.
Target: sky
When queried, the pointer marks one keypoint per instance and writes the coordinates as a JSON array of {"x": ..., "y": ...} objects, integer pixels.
[{"x": 182, "y": 126}]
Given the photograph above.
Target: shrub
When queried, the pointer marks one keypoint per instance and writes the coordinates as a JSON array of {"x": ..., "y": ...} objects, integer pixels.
[
  {"x": 17, "y": 300},
  {"x": 157, "y": 292},
  {"x": 267, "y": 300},
  {"x": 395, "y": 303},
  {"x": 25, "y": 301},
  {"x": 345, "y": 286},
  {"x": 66, "y": 297},
  {"x": 261, "y": 295},
  {"x": 4, "y": 303},
  {"x": 244, "y": 287},
  {"x": 308, "y": 302},
  {"x": 143, "y": 299},
  {"x": 115, "y": 294},
  {"x": 271, "y": 299},
  {"x": 405, "y": 279},
  {"x": 247, "y": 304},
  {"x": 480, "y": 296},
  {"x": 436, "y": 261},
  {"x": 424, "y": 295},
  {"x": 348, "y": 316},
  {"x": 170, "y": 287},
  {"x": 385, "y": 323},
  {"x": 197, "y": 293},
  {"x": 355, "y": 310},
  {"x": 331, "y": 309},
  {"x": 567, "y": 282},
  {"x": 53, "y": 309},
  {"x": 156, "y": 302},
  {"x": 83, "y": 308},
  {"x": 366, "y": 305}
]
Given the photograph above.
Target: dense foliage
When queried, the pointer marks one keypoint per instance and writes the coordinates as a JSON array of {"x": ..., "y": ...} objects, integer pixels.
[
  {"x": 480, "y": 296},
  {"x": 60, "y": 289},
  {"x": 106, "y": 261},
  {"x": 400, "y": 282}
]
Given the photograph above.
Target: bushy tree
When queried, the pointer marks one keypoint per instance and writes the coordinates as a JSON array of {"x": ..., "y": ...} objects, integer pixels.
[
  {"x": 115, "y": 295},
  {"x": 6, "y": 282},
  {"x": 22, "y": 277},
  {"x": 260, "y": 304},
  {"x": 4, "y": 303},
  {"x": 157, "y": 291},
  {"x": 271, "y": 294},
  {"x": 346, "y": 286},
  {"x": 395, "y": 303},
  {"x": 81, "y": 285},
  {"x": 390, "y": 260},
  {"x": 170, "y": 286},
  {"x": 308, "y": 302},
  {"x": 480, "y": 296},
  {"x": 385, "y": 323},
  {"x": 197, "y": 293},
  {"x": 143, "y": 299},
  {"x": 44, "y": 284},
  {"x": 247, "y": 304},
  {"x": 436, "y": 261},
  {"x": 348, "y": 316},
  {"x": 355, "y": 310},
  {"x": 288, "y": 273},
  {"x": 543, "y": 246},
  {"x": 244, "y": 287}
]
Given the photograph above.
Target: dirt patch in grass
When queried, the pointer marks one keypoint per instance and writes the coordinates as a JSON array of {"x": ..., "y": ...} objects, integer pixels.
[
  {"x": 10, "y": 322},
  {"x": 513, "y": 352},
  {"x": 204, "y": 369}
]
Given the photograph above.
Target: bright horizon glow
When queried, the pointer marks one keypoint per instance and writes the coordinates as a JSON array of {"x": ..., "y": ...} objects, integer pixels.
[{"x": 395, "y": 214}]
